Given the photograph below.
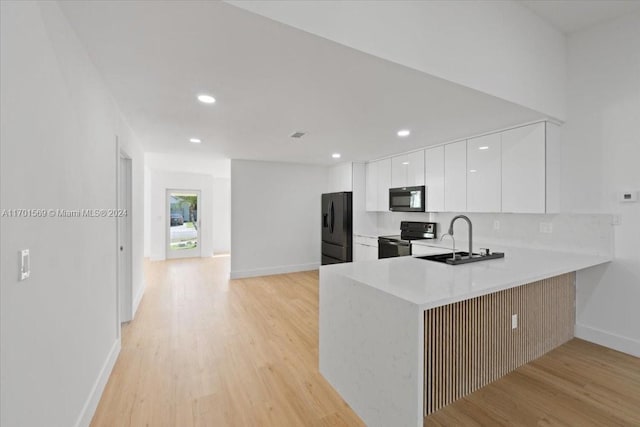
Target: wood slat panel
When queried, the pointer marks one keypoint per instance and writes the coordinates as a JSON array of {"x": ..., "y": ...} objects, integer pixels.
[{"x": 469, "y": 344}]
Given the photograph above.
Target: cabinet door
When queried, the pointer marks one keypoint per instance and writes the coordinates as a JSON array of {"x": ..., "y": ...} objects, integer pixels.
[
  {"x": 371, "y": 187},
  {"x": 434, "y": 178},
  {"x": 359, "y": 252},
  {"x": 523, "y": 169},
  {"x": 371, "y": 252},
  {"x": 415, "y": 168},
  {"x": 483, "y": 174},
  {"x": 384, "y": 183},
  {"x": 365, "y": 252},
  {"x": 399, "y": 171},
  {"x": 455, "y": 177}
]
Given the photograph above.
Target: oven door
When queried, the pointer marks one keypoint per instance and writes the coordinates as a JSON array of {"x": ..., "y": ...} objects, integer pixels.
[
  {"x": 388, "y": 248},
  {"x": 407, "y": 199}
]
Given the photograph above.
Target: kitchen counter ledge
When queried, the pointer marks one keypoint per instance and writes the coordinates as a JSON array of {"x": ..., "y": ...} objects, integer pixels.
[{"x": 430, "y": 284}]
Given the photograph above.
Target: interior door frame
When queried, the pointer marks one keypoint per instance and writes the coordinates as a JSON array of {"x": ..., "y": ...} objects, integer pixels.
[
  {"x": 188, "y": 253},
  {"x": 124, "y": 236}
]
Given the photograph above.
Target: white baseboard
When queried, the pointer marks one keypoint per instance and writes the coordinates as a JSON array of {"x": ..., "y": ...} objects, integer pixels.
[
  {"x": 282, "y": 269},
  {"x": 91, "y": 404},
  {"x": 607, "y": 339},
  {"x": 137, "y": 299}
]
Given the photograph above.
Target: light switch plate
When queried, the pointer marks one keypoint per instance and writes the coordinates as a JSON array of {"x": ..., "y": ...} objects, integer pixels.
[
  {"x": 25, "y": 264},
  {"x": 514, "y": 321}
]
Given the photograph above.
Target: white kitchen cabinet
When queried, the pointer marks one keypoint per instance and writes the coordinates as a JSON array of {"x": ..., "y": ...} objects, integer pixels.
[
  {"x": 371, "y": 186},
  {"x": 407, "y": 170},
  {"x": 455, "y": 177},
  {"x": 364, "y": 252},
  {"x": 523, "y": 169},
  {"x": 399, "y": 171},
  {"x": 483, "y": 174},
  {"x": 384, "y": 183},
  {"x": 377, "y": 183},
  {"x": 434, "y": 178},
  {"x": 365, "y": 248},
  {"x": 415, "y": 168}
]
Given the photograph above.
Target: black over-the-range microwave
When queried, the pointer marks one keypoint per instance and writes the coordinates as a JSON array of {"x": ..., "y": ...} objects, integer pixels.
[{"x": 407, "y": 199}]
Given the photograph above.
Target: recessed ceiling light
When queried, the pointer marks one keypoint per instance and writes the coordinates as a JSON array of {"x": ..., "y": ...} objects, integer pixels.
[
  {"x": 206, "y": 99},
  {"x": 336, "y": 155},
  {"x": 405, "y": 163},
  {"x": 473, "y": 170},
  {"x": 404, "y": 132},
  {"x": 484, "y": 147},
  {"x": 195, "y": 140}
]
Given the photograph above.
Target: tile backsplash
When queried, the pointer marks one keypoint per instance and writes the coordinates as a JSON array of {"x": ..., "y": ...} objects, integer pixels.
[{"x": 580, "y": 233}]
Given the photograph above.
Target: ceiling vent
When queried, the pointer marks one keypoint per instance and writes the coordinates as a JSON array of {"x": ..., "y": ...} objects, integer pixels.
[{"x": 297, "y": 135}]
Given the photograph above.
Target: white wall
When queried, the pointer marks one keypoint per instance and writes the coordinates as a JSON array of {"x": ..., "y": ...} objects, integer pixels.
[
  {"x": 161, "y": 181},
  {"x": 275, "y": 217},
  {"x": 497, "y": 47},
  {"x": 340, "y": 178},
  {"x": 601, "y": 148},
  {"x": 59, "y": 331},
  {"x": 221, "y": 215}
]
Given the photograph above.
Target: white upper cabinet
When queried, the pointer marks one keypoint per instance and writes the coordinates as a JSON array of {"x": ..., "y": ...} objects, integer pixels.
[
  {"x": 434, "y": 178},
  {"x": 523, "y": 169},
  {"x": 384, "y": 183},
  {"x": 515, "y": 171},
  {"x": 407, "y": 170},
  {"x": 415, "y": 168},
  {"x": 371, "y": 185},
  {"x": 483, "y": 174},
  {"x": 377, "y": 183},
  {"x": 455, "y": 177},
  {"x": 399, "y": 171}
]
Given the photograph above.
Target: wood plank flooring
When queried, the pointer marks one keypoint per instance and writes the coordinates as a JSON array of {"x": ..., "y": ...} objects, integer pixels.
[
  {"x": 577, "y": 384},
  {"x": 206, "y": 351}
]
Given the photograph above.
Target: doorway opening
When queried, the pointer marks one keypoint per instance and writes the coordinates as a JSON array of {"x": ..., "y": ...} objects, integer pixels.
[
  {"x": 125, "y": 260},
  {"x": 183, "y": 224}
]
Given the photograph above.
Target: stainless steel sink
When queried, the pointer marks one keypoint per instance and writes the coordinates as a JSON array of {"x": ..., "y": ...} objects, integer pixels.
[{"x": 461, "y": 257}]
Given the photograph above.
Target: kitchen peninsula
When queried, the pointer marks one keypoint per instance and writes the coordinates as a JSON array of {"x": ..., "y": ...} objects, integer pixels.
[{"x": 402, "y": 337}]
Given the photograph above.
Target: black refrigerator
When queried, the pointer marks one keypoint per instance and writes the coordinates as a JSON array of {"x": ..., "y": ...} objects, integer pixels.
[{"x": 337, "y": 231}]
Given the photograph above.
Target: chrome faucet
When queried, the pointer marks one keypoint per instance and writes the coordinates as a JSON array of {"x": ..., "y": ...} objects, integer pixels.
[{"x": 470, "y": 231}]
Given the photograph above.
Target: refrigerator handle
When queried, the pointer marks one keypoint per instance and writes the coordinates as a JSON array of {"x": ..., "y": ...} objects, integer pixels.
[{"x": 333, "y": 217}]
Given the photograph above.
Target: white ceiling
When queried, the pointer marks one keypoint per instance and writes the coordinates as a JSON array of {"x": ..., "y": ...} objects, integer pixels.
[
  {"x": 569, "y": 16},
  {"x": 269, "y": 81}
]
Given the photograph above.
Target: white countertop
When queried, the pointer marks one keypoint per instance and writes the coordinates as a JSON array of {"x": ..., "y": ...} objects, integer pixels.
[{"x": 430, "y": 284}]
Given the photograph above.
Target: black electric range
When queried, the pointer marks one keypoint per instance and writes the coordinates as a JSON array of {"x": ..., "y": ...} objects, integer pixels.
[{"x": 400, "y": 245}]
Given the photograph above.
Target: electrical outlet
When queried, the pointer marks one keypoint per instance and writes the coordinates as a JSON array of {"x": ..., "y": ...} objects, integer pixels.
[
  {"x": 546, "y": 227},
  {"x": 616, "y": 220},
  {"x": 496, "y": 225},
  {"x": 514, "y": 321}
]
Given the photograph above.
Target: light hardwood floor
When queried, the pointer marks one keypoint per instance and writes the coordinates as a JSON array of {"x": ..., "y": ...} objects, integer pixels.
[
  {"x": 206, "y": 351},
  {"x": 578, "y": 384}
]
